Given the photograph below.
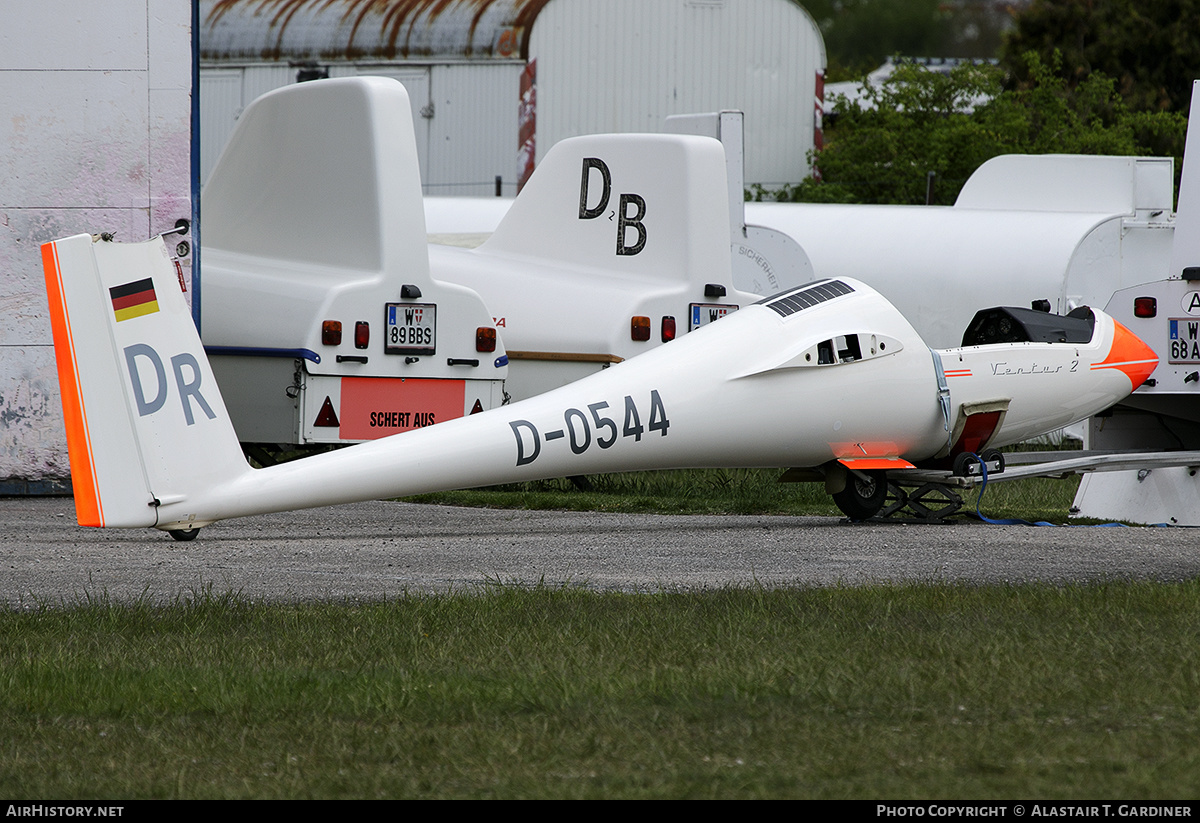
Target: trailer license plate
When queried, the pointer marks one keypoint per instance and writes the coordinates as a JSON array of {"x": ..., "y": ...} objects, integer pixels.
[
  {"x": 411, "y": 328},
  {"x": 705, "y": 313},
  {"x": 1184, "y": 342}
]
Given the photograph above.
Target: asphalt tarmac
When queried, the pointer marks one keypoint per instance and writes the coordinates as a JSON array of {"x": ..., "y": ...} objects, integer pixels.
[{"x": 377, "y": 550}]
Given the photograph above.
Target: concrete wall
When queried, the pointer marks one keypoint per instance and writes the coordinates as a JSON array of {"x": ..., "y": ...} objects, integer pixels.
[{"x": 95, "y": 135}]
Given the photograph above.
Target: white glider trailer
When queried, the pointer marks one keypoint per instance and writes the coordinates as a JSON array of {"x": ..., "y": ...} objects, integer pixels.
[
  {"x": 1165, "y": 413},
  {"x": 320, "y": 316},
  {"x": 617, "y": 244},
  {"x": 1070, "y": 229}
]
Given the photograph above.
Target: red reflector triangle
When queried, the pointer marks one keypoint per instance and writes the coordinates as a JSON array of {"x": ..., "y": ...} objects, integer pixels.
[
  {"x": 477, "y": 408},
  {"x": 327, "y": 416}
]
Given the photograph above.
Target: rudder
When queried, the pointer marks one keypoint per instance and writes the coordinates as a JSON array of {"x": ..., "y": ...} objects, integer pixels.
[{"x": 144, "y": 419}]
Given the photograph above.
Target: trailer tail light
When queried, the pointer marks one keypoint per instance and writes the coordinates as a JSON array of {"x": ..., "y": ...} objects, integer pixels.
[
  {"x": 668, "y": 329},
  {"x": 485, "y": 339},
  {"x": 362, "y": 334},
  {"x": 1145, "y": 307},
  {"x": 331, "y": 332},
  {"x": 639, "y": 328}
]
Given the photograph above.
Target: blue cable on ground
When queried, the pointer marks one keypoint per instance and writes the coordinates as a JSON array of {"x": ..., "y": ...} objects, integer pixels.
[{"x": 1019, "y": 522}]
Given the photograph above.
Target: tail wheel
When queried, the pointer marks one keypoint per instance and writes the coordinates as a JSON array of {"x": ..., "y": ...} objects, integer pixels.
[
  {"x": 184, "y": 535},
  {"x": 864, "y": 494}
]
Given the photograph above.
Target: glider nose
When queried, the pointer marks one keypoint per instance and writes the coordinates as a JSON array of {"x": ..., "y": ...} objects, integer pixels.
[{"x": 1130, "y": 355}]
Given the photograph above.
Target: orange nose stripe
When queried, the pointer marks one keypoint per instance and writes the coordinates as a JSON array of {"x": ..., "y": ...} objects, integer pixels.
[{"x": 1129, "y": 355}]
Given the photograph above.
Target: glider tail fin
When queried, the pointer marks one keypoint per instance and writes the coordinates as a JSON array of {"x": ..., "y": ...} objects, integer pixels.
[{"x": 145, "y": 422}]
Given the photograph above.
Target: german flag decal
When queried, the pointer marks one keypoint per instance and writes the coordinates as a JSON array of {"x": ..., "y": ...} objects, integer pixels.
[{"x": 134, "y": 299}]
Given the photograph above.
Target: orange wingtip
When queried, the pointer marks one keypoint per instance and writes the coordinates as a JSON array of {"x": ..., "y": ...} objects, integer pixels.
[{"x": 1129, "y": 354}]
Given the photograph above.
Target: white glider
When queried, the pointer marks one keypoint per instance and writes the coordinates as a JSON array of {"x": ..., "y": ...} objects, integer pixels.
[{"x": 826, "y": 376}]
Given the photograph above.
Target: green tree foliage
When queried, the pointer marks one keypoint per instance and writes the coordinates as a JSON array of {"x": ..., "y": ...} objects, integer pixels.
[
  {"x": 1150, "y": 49},
  {"x": 860, "y": 34},
  {"x": 881, "y": 148}
]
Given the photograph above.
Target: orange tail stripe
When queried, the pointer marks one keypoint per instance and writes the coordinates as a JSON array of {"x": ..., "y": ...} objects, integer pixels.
[
  {"x": 88, "y": 510},
  {"x": 1130, "y": 355}
]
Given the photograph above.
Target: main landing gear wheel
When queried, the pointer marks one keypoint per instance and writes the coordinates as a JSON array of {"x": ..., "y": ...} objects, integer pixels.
[
  {"x": 864, "y": 494},
  {"x": 184, "y": 535}
]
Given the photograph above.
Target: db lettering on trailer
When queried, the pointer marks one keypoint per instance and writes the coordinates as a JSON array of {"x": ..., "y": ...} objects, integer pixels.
[{"x": 628, "y": 215}]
